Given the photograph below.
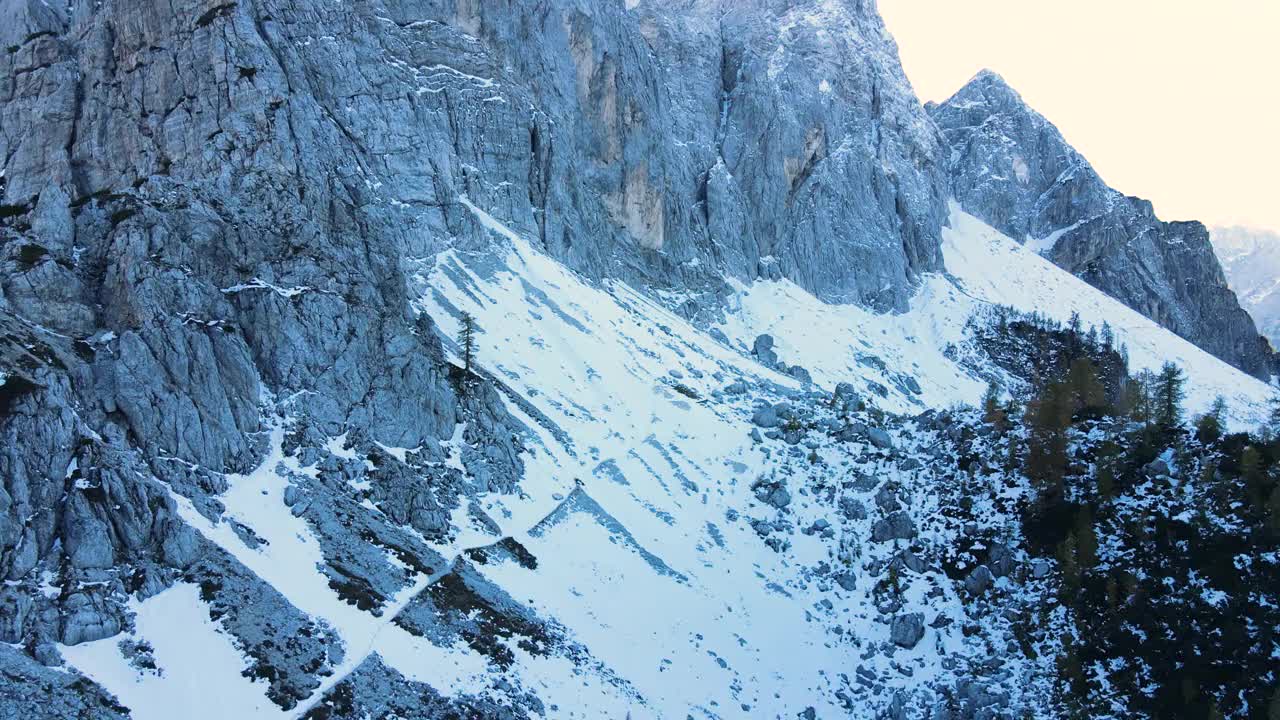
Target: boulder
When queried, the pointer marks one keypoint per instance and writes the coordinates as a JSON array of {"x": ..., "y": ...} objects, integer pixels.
[
  {"x": 879, "y": 438},
  {"x": 772, "y": 493},
  {"x": 897, "y": 526},
  {"x": 763, "y": 350},
  {"x": 887, "y": 499},
  {"x": 767, "y": 417},
  {"x": 1000, "y": 560},
  {"x": 978, "y": 581},
  {"x": 800, "y": 374},
  {"x": 852, "y": 508},
  {"x": 846, "y": 397},
  {"x": 906, "y": 630}
]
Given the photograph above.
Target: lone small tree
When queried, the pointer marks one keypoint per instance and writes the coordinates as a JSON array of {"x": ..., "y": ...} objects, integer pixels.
[
  {"x": 993, "y": 412},
  {"x": 1209, "y": 426},
  {"x": 467, "y": 340}
]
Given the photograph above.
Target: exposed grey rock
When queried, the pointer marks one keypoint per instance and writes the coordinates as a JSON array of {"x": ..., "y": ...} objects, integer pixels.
[
  {"x": 887, "y": 499},
  {"x": 906, "y": 630},
  {"x": 376, "y": 690},
  {"x": 763, "y": 350},
  {"x": 800, "y": 374},
  {"x": 285, "y": 648},
  {"x": 978, "y": 580},
  {"x": 1000, "y": 560},
  {"x": 879, "y": 438},
  {"x": 862, "y": 482},
  {"x": 772, "y": 493},
  {"x": 1156, "y": 468},
  {"x": 766, "y": 417},
  {"x": 462, "y": 606},
  {"x": 819, "y": 527},
  {"x": 852, "y": 508},
  {"x": 896, "y": 526},
  {"x": 1012, "y": 168},
  {"x": 913, "y": 561},
  {"x": 910, "y": 463},
  {"x": 32, "y": 691},
  {"x": 90, "y": 615}
]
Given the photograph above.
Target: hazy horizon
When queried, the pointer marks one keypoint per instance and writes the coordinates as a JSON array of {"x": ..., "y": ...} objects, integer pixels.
[{"x": 1176, "y": 103}]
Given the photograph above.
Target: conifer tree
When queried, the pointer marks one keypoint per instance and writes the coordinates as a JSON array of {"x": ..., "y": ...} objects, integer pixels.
[
  {"x": 1086, "y": 540},
  {"x": 1047, "y": 418},
  {"x": 1271, "y": 430},
  {"x": 467, "y": 339},
  {"x": 1138, "y": 398},
  {"x": 1170, "y": 389},
  {"x": 1113, "y": 592},
  {"x": 1106, "y": 477},
  {"x": 1108, "y": 338},
  {"x": 1209, "y": 426},
  {"x": 1086, "y": 389},
  {"x": 1273, "y": 510},
  {"x": 1251, "y": 474},
  {"x": 993, "y": 412},
  {"x": 1069, "y": 562}
]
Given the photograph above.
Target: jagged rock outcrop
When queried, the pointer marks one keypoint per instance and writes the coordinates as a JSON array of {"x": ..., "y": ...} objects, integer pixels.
[
  {"x": 1011, "y": 167},
  {"x": 190, "y": 242}
]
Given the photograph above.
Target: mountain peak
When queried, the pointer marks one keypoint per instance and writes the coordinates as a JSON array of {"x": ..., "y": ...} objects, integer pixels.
[
  {"x": 1011, "y": 167},
  {"x": 987, "y": 76},
  {"x": 987, "y": 87}
]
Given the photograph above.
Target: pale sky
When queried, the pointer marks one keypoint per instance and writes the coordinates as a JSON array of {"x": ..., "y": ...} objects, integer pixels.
[{"x": 1177, "y": 101}]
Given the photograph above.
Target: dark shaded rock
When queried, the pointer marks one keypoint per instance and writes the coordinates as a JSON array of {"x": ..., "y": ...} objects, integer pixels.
[
  {"x": 772, "y": 493},
  {"x": 852, "y": 508},
  {"x": 977, "y": 582},
  {"x": 897, "y": 526},
  {"x": 887, "y": 499},
  {"x": 1000, "y": 560},
  {"x": 906, "y": 630},
  {"x": 763, "y": 350}
]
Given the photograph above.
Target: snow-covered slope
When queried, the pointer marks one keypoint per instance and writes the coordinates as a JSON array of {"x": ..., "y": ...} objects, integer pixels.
[
  {"x": 839, "y": 343},
  {"x": 641, "y": 499}
]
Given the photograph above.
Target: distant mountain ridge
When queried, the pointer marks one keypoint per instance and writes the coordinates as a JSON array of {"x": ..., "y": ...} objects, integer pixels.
[
  {"x": 1251, "y": 260},
  {"x": 1011, "y": 167}
]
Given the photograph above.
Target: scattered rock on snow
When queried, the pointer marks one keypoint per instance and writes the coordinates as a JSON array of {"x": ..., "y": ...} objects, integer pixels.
[
  {"x": 897, "y": 526},
  {"x": 907, "y": 630}
]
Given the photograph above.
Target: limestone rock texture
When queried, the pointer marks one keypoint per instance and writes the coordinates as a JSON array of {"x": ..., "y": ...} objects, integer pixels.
[{"x": 213, "y": 215}]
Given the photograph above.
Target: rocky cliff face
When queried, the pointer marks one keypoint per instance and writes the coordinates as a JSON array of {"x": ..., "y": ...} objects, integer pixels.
[
  {"x": 1012, "y": 168},
  {"x": 211, "y": 215},
  {"x": 1251, "y": 260}
]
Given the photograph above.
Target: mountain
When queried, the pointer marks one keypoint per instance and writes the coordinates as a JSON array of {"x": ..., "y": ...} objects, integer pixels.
[
  {"x": 1251, "y": 260},
  {"x": 1011, "y": 167},
  {"x": 715, "y": 455}
]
